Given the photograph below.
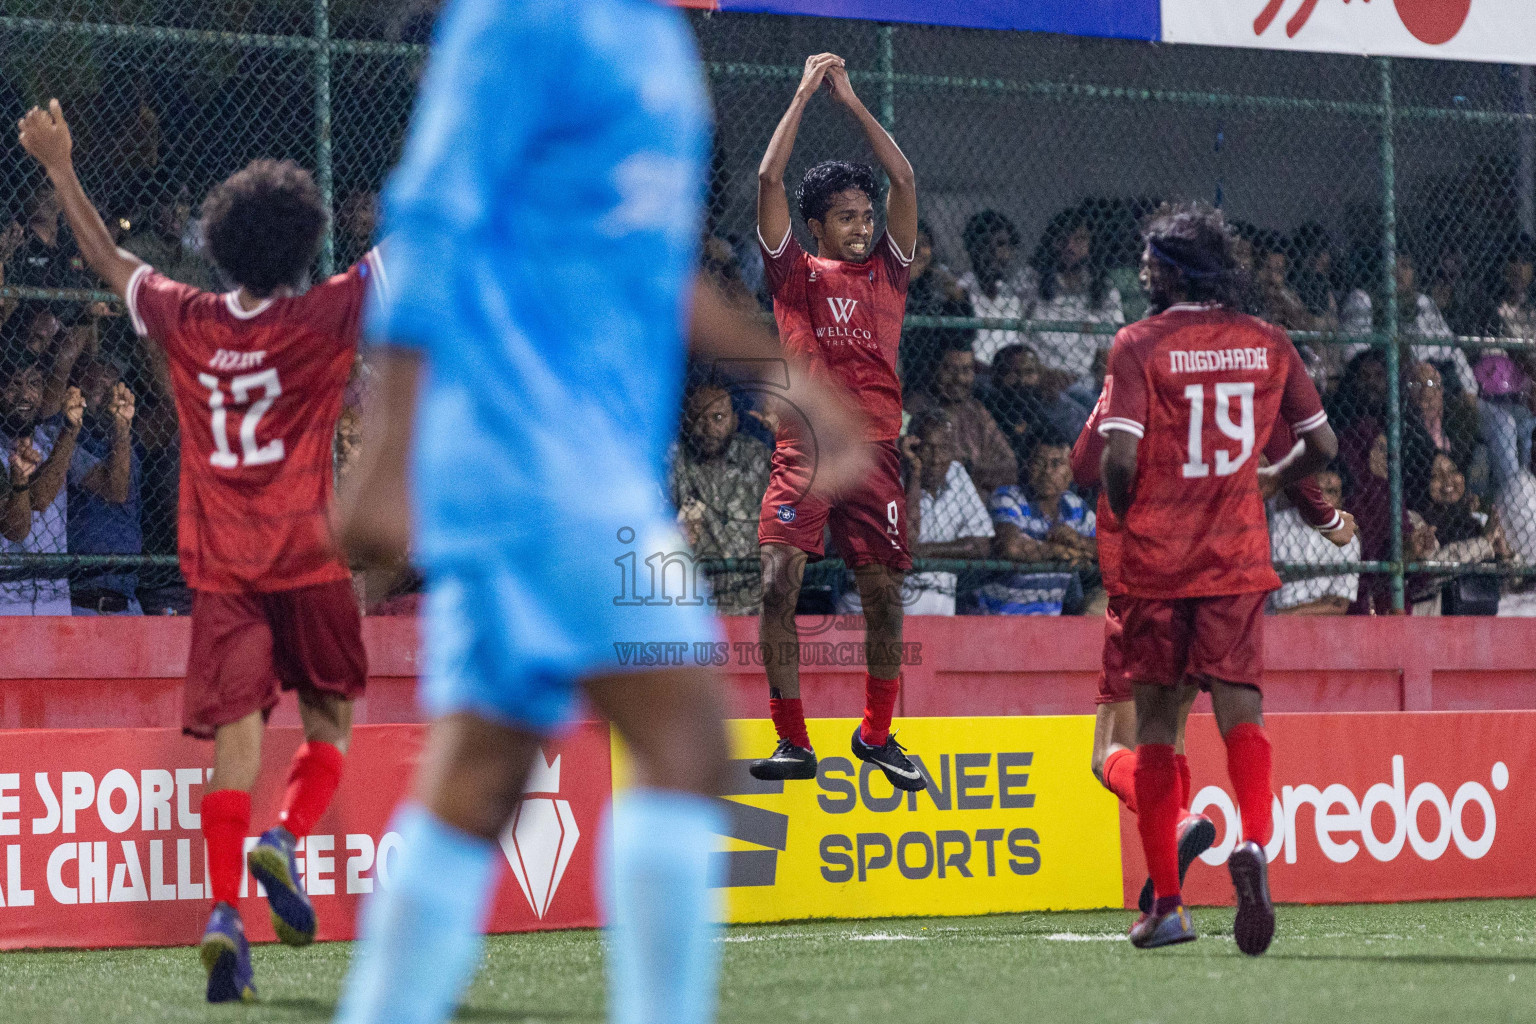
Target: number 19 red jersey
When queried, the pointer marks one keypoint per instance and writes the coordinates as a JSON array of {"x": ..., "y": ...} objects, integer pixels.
[
  {"x": 258, "y": 393},
  {"x": 1202, "y": 386}
]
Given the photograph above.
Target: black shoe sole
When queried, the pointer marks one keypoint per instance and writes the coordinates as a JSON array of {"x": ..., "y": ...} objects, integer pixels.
[
  {"x": 1192, "y": 844},
  {"x": 778, "y": 771},
  {"x": 293, "y": 916},
  {"x": 897, "y": 780},
  {"x": 1254, "y": 926},
  {"x": 222, "y": 963}
]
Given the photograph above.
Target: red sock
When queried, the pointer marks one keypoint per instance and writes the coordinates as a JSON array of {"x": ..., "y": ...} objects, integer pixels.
[
  {"x": 1157, "y": 794},
  {"x": 1248, "y": 764},
  {"x": 312, "y": 781},
  {"x": 789, "y": 720},
  {"x": 1120, "y": 776},
  {"x": 879, "y": 703},
  {"x": 226, "y": 819},
  {"x": 1182, "y": 763}
]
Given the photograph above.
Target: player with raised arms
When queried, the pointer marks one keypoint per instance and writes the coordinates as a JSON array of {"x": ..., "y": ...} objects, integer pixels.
[
  {"x": 258, "y": 375},
  {"x": 544, "y": 231},
  {"x": 1114, "y": 734},
  {"x": 842, "y": 308},
  {"x": 1192, "y": 395}
]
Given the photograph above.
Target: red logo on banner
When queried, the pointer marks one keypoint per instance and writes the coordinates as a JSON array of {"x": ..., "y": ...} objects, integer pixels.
[{"x": 1430, "y": 21}]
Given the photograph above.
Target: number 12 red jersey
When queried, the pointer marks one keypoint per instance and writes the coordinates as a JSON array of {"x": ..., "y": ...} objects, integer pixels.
[
  {"x": 1202, "y": 386},
  {"x": 258, "y": 393}
]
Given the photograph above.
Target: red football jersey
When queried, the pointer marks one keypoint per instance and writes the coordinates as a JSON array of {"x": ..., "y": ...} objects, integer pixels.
[
  {"x": 258, "y": 393},
  {"x": 1202, "y": 387},
  {"x": 1307, "y": 496},
  {"x": 846, "y": 318}
]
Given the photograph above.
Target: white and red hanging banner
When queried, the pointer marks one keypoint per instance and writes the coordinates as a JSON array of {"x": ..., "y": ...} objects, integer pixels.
[{"x": 1501, "y": 31}]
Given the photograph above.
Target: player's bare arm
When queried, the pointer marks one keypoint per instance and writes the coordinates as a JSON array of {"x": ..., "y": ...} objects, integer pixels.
[
  {"x": 1117, "y": 468},
  {"x": 50, "y": 478},
  {"x": 1317, "y": 448},
  {"x": 45, "y": 135},
  {"x": 901, "y": 200},
  {"x": 772, "y": 203},
  {"x": 719, "y": 330}
]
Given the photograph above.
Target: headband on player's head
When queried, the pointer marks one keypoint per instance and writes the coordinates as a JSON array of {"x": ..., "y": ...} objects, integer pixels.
[{"x": 1183, "y": 262}]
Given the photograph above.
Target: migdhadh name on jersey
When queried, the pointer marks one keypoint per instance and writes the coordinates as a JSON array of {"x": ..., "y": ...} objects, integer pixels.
[{"x": 1205, "y": 361}]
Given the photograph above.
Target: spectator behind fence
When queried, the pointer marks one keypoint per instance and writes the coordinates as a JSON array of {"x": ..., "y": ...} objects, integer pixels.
[
  {"x": 1024, "y": 403},
  {"x": 983, "y": 449},
  {"x": 1417, "y": 319},
  {"x": 356, "y": 223},
  {"x": 932, "y": 291},
  {"x": 165, "y": 236},
  {"x": 717, "y": 479},
  {"x": 1517, "y": 307},
  {"x": 1043, "y": 521},
  {"x": 1452, "y": 428},
  {"x": 993, "y": 283},
  {"x": 1071, "y": 285},
  {"x": 1314, "y": 272},
  {"x": 1504, "y": 377},
  {"x": 36, "y": 428},
  {"x": 1291, "y": 539},
  {"x": 1461, "y": 296},
  {"x": 944, "y": 510},
  {"x": 1279, "y": 303},
  {"x": 1464, "y": 535},
  {"x": 104, "y": 481},
  {"x": 1368, "y": 499}
]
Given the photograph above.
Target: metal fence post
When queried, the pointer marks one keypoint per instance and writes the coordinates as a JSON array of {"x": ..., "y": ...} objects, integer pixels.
[
  {"x": 1390, "y": 328},
  {"x": 324, "y": 176}
]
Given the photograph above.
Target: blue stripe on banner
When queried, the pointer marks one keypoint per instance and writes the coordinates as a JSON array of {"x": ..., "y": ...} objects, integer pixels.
[{"x": 1121, "y": 19}]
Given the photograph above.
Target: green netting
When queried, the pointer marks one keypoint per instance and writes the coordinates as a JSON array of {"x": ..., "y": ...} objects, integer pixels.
[{"x": 1387, "y": 206}]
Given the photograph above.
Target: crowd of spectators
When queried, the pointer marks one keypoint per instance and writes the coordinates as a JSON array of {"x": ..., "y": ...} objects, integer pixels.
[{"x": 993, "y": 411}]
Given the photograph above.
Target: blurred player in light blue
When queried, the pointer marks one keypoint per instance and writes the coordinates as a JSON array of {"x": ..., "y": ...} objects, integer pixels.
[{"x": 528, "y": 358}]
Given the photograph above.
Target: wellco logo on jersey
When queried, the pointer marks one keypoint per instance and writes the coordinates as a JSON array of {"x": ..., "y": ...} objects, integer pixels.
[
  {"x": 842, "y": 309},
  {"x": 540, "y": 839}
]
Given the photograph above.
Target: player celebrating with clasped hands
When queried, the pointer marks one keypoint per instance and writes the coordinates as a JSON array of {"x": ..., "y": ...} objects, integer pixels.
[{"x": 841, "y": 307}]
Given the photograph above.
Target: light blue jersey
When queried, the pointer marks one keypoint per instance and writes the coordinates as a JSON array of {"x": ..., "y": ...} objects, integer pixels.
[{"x": 541, "y": 233}]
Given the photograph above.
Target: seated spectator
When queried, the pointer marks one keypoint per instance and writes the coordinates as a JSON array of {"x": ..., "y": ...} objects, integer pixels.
[
  {"x": 944, "y": 512},
  {"x": 1369, "y": 501},
  {"x": 164, "y": 237},
  {"x": 1314, "y": 273},
  {"x": 716, "y": 483},
  {"x": 1024, "y": 404},
  {"x": 993, "y": 284},
  {"x": 1462, "y": 535},
  {"x": 103, "y": 507},
  {"x": 1292, "y": 540},
  {"x": 932, "y": 291},
  {"x": 1043, "y": 521},
  {"x": 1072, "y": 286},
  {"x": 34, "y": 432},
  {"x": 719, "y": 261},
  {"x": 1517, "y": 309},
  {"x": 1461, "y": 297},
  {"x": 1451, "y": 429},
  {"x": 983, "y": 449},
  {"x": 1418, "y": 319},
  {"x": 357, "y": 218},
  {"x": 1278, "y": 302},
  {"x": 1362, "y": 391}
]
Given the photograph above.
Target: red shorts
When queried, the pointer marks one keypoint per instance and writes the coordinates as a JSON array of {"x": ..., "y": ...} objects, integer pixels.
[
  {"x": 1199, "y": 637},
  {"x": 246, "y": 646},
  {"x": 1114, "y": 685},
  {"x": 869, "y": 522}
]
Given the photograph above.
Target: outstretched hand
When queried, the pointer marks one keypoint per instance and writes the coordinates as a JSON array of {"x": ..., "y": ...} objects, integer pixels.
[{"x": 45, "y": 134}]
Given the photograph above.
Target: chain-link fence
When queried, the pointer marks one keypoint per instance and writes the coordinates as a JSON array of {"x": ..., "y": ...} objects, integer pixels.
[{"x": 1384, "y": 207}]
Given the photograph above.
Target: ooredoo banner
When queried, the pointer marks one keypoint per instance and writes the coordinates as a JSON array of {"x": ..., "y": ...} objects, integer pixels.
[
  {"x": 1375, "y": 808},
  {"x": 100, "y": 841},
  {"x": 1503, "y": 31}
]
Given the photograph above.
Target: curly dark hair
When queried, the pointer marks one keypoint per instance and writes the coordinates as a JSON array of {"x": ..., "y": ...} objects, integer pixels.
[
  {"x": 827, "y": 179},
  {"x": 1047, "y": 256},
  {"x": 264, "y": 225},
  {"x": 1195, "y": 240},
  {"x": 980, "y": 228}
]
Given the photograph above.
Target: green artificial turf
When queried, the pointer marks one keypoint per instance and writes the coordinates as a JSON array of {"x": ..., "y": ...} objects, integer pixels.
[{"x": 1440, "y": 962}]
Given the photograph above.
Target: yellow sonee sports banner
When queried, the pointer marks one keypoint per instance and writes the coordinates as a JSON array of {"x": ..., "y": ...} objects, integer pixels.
[{"x": 1012, "y": 820}]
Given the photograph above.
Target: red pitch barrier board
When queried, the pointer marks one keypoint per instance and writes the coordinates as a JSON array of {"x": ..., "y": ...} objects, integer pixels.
[
  {"x": 100, "y": 841},
  {"x": 1374, "y": 808}
]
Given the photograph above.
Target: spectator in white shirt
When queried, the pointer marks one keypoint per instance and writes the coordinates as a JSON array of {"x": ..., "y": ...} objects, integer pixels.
[
  {"x": 1072, "y": 286},
  {"x": 1292, "y": 540},
  {"x": 993, "y": 284}
]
